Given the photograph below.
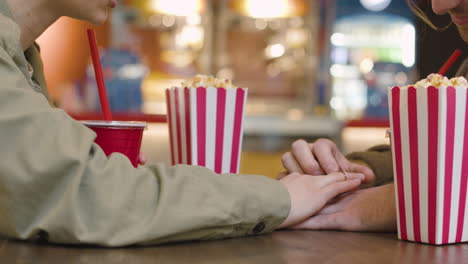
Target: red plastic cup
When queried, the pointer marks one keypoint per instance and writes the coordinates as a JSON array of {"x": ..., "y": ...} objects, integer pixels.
[{"x": 119, "y": 136}]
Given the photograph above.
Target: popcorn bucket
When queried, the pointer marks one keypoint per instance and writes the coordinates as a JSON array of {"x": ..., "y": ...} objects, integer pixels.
[
  {"x": 205, "y": 126},
  {"x": 430, "y": 163}
]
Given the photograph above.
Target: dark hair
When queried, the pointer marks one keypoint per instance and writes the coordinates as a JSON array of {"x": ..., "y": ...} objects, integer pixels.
[{"x": 416, "y": 8}]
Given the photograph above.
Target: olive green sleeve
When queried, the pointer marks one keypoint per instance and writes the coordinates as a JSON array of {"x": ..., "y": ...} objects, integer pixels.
[
  {"x": 463, "y": 70},
  {"x": 57, "y": 184},
  {"x": 379, "y": 159}
]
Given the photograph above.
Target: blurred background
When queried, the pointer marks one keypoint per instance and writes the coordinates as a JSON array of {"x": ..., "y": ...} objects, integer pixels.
[{"x": 314, "y": 68}]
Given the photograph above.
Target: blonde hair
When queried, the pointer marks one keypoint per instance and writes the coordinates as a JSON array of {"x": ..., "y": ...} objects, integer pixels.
[{"x": 420, "y": 13}]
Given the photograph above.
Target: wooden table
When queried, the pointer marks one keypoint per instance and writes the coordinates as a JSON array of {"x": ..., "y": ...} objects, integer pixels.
[{"x": 291, "y": 247}]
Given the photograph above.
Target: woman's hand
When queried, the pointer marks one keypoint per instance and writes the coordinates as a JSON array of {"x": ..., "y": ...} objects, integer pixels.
[
  {"x": 371, "y": 209},
  {"x": 310, "y": 194},
  {"x": 319, "y": 158},
  {"x": 141, "y": 159}
]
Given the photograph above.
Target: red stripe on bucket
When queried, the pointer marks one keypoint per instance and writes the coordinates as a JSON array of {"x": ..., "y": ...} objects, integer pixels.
[
  {"x": 169, "y": 116},
  {"x": 414, "y": 156},
  {"x": 464, "y": 180},
  {"x": 399, "y": 160},
  {"x": 179, "y": 136},
  {"x": 188, "y": 131},
  {"x": 201, "y": 125},
  {"x": 451, "y": 101},
  {"x": 220, "y": 116},
  {"x": 433, "y": 138},
  {"x": 238, "y": 115}
]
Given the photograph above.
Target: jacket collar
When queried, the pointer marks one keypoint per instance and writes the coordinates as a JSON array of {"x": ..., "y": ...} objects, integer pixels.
[
  {"x": 31, "y": 55},
  {"x": 5, "y": 9}
]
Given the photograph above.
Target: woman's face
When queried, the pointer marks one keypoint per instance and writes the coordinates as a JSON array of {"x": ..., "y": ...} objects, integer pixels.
[
  {"x": 458, "y": 11},
  {"x": 93, "y": 11}
]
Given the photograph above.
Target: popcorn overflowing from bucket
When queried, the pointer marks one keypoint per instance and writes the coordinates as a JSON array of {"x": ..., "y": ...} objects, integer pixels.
[
  {"x": 430, "y": 159},
  {"x": 205, "y": 119}
]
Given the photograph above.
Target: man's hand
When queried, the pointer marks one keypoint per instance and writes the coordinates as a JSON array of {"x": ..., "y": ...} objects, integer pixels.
[
  {"x": 370, "y": 209},
  {"x": 310, "y": 194},
  {"x": 319, "y": 158}
]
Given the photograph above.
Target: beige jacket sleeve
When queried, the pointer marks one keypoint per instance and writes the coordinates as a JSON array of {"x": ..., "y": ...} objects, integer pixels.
[{"x": 57, "y": 184}]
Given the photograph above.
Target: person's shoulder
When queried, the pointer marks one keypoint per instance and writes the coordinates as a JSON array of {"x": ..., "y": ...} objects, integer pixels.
[{"x": 9, "y": 34}]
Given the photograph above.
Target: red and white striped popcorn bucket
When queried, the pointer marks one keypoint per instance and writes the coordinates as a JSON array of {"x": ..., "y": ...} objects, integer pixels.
[
  {"x": 205, "y": 126},
  {"x": 430, "y": 163}
]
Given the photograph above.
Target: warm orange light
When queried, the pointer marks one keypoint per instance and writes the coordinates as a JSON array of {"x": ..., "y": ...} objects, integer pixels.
[
  {"x": 270, "y": 8},
  {"x": 177, "y": 7},
  {"x": 65, "y": 52}
]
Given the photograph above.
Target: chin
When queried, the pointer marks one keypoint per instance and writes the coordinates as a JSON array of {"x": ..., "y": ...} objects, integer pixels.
[{"x": 98, "y": 19}]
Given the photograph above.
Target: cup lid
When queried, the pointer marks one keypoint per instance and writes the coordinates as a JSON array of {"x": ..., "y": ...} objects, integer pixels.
[{"x": 114, "y": 123}]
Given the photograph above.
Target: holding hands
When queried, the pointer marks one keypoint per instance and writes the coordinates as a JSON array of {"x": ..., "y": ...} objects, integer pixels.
[
  {"x": 330, "y": 203},
  {"x": 310, "y": 194},
  {"x": 320, "y": 158}
]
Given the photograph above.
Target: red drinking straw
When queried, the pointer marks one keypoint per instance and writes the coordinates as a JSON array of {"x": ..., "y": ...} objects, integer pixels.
[
  {"x": 99, "y": 76},
  {"x": 450, "y": 61}
]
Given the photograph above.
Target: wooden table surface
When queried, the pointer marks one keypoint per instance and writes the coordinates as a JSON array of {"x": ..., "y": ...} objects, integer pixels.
[{"x": 280, "y": 247}]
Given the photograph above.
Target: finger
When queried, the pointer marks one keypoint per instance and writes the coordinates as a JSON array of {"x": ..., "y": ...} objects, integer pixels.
[
  {"x": 325, "y": 153},
  {"x": 301, "y": 150},
  {"x": 290, "y": 163},
  {"x": 368, "y": 173},
  {"x": 281, "y": 175},
  {"x": 331, "y": 209},
  {"x": 337, "y": 204},
  {"x": 141, "y": 158},
  {"x": 320, "y": 222},
  {"x": 338, "y": 188},
  {"x": 340, "y": 177},
  {"x": 290, "y": 177}
]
